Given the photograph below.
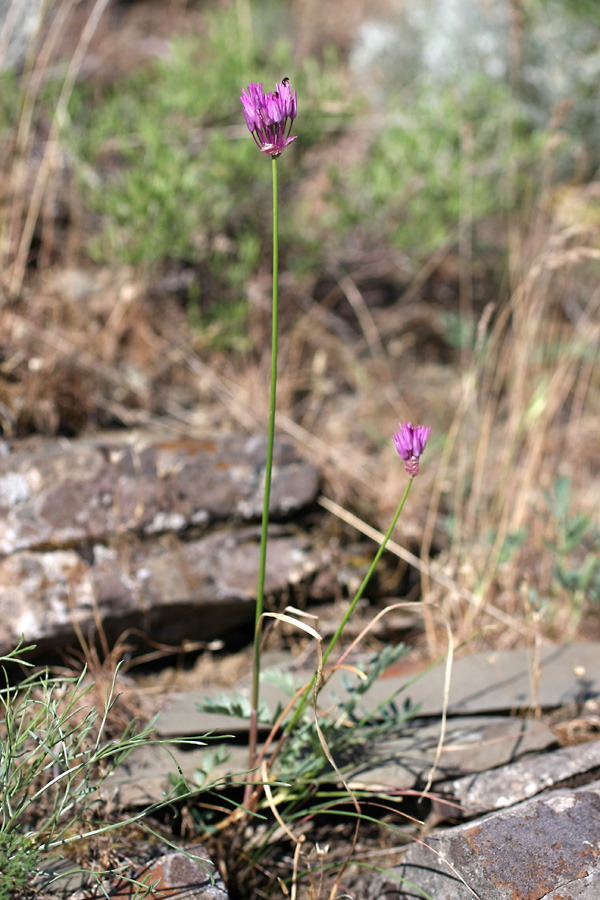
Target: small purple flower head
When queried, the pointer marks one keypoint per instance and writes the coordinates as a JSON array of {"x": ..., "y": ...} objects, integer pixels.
[
  {"x": 269, "y": 115},
  {"x": 410, "y": 442}
]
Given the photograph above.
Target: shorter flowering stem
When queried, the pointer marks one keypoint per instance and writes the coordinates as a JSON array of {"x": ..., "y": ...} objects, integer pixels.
[
  {"x": 300, "y": 708},
  {"x": 367, "y": 577}
]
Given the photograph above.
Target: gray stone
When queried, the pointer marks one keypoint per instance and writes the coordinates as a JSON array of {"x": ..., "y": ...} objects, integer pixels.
[
  {"x": 388, "y": 764},
  {"x": 144, "y": 778},
  {"x": 61, "y": 495},
  {"x": 19, "y": 23},
  {"x": 187, "y": 873},
  {"x": 482, "y": 683},
  {"x": 493, "y": 682},
  {"x": 471, "y": 745},
  {"x": 115, "y": 531},
  {"x": 518, "y": 781},
  {"x": 169, "y": 589},
  {"x": 542, "y": 849},
  {"x": 503, "y": 686}
]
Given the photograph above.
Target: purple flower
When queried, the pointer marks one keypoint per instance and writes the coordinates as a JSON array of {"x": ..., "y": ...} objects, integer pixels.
[
  {"x": 269, "y": 115},
  {"x": 410, "y": 442}
]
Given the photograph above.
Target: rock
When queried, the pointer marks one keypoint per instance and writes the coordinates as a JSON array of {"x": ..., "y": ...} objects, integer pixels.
[
  {"x": 493, "y": 682},
  {"x": 19, "y": 25},
  {"x": 170, "y": 590},
  {"x": 144, "y": 777},
  {"x": 115, "y": 532},
  {"x": 518, "y": 781},
  {"x": 542, "y": 848},
  {"x": 58, "y": 496},
  {"x": 187, "y": 873}
]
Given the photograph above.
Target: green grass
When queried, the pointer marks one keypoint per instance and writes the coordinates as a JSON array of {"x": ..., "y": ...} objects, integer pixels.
[{"x": 57, "y": 750}]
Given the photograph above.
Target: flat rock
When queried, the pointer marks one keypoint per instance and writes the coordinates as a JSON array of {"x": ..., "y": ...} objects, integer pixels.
[
  {"x": 149, "y": 774},
  {"x": 116, "y": 532},
  {"x": 568, "y": 674},
  {"x": 170, "y": 590},
  {"x": 144, "y": 778},
  {"x": 188, "y": 874},
  {"x": 59, "y": 495},
  {"x": 471, "y": 745},
  {"x": 509, "y": 784},
  {"x": 542, "y": 849},
  {"x": 501, "y": 682},
  {"x": 178, "y": 874}
]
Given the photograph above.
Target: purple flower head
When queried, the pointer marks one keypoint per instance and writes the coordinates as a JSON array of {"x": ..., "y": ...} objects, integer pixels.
[
  {"x": 410, "y": 442},
  {"x": 268, "y": 116}
]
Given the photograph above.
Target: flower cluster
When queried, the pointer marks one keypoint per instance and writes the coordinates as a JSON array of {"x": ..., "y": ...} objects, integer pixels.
[
  {"x": 410, "y": 442},
  {"x": 269, "y": 115}
]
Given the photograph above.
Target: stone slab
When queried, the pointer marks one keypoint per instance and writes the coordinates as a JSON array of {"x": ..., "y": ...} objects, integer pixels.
[
  {"x": 144, "y": 779},
  {"x": 569, "y": 674},
  {"x": 501, "y": 681},
  {"x": 472, "y": 744},
  {"x": 402, "y": 763},
  {"x": 187, "y": 874},
  {"x": 546, "y": 848},
  {"x": 169, "y": 589},
  {"x": 509, "y": 784},
  {"x": 60, "y": 494}
]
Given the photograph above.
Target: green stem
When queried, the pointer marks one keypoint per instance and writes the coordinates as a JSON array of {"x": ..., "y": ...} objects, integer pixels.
[
  {"x": 351, "y": 608},
  {"x": 268, "y": 472}
]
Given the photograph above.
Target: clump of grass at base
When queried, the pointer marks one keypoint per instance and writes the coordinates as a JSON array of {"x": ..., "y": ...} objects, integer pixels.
[
  {"x": 55, "y": 757},
  {"x": 18, "y": 864},
  {"x": 304, "y": 787}
]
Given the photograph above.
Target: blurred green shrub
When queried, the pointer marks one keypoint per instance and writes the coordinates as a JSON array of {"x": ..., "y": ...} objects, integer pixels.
[
  {"x": 575, "y": 547},
  {"x": 166, "y": 160},
  {"x": 445, "y": 156}
]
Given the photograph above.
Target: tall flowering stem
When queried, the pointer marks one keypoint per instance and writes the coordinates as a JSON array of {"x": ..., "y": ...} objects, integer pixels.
[
  {"x": 260, "y": 594},
  {"x": 269, "y": 119}
]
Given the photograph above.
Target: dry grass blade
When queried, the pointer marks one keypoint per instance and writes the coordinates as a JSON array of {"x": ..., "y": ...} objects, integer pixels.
[
  {"x": 369, "y": 627},
  {"x": 273, "y": 806},
  {"x": 445, "y": 701},
  {"x": 52, "y": 147}
]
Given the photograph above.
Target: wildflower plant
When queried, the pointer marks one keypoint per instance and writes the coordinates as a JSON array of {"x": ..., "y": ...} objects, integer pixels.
[
  {"x": 291, "y": 773},
  {"x": 305, "y": 741},
  {"x": 410, "y": 442}
]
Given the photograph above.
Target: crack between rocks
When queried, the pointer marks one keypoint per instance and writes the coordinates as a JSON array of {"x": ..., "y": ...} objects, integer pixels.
[
  {"x": 455, "y": 871},
  {"x": 559, "y": 887}
]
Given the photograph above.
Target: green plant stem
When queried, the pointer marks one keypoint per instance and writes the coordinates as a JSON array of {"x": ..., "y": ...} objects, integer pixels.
[
  {"x": 301, "y": 705},
  {"x": 268, "y": 472}
]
